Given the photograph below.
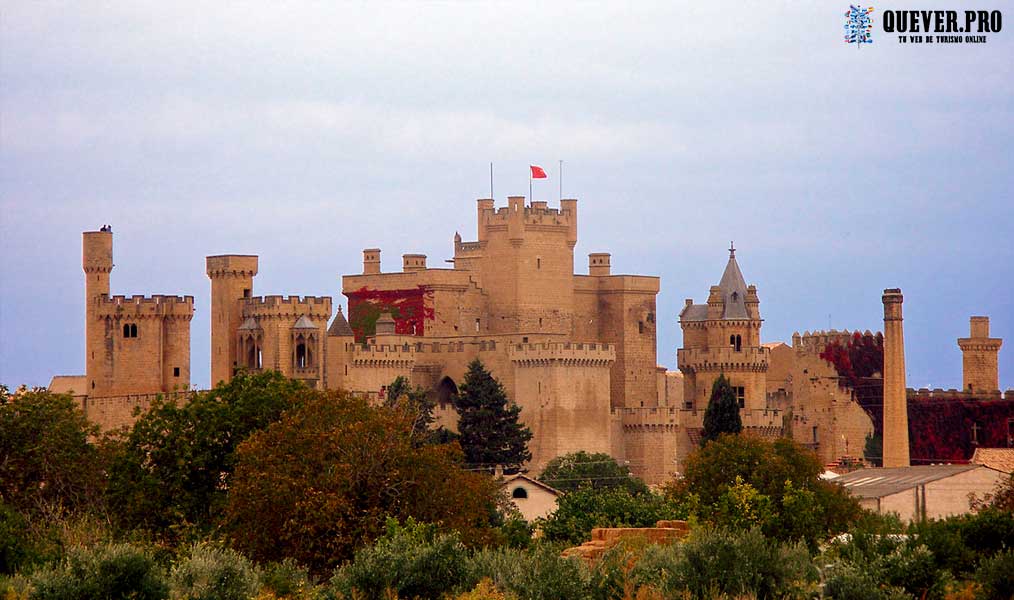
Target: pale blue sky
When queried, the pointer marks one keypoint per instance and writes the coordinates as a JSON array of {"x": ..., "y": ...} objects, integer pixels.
[{"x": 306, "y": 132}]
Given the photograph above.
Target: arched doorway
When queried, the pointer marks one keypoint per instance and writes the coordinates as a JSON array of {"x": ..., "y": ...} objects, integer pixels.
[{"x": 446, "y": 392}]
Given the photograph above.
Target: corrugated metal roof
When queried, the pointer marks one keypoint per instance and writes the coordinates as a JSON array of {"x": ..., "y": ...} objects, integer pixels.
[{"x": 877, "y": 483}]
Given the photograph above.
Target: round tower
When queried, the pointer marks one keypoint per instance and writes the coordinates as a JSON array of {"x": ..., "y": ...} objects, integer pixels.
[
  {"x": 97, "y": 262},
  {"x": 231, "y": 281}
]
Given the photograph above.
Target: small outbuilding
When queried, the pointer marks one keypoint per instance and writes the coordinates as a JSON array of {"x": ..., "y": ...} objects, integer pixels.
[
  {"x": 532, "y": 497},
  {"x": 924, "y": 492}
]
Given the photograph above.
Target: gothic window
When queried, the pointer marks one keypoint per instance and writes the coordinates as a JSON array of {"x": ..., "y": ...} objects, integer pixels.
[
  {"x": 129, "y": 330},
  {"x": 741, "y": 396},
  {"x": 126, "y": 330},
  {"x": 133, "y": 330},
  {"x": 301, "y": 356},
  {"x": 736, "y": 342},
  {"x": 519, "y": 492}
]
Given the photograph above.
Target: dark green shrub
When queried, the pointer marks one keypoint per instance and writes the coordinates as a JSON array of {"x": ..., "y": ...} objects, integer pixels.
[
  {"x": 996, "y": 576},
  {"x": 845, "y": 581},
  {"x": 108, "y": 572},
  {"x": 539, "y": 572},
  {"x": 735, "y": 563},
  {"x": 285, "y": 579},
  {"x": 214, "y": 573},
  {"x": 412, "y": 560},
  {"x": 15, "y": 547}
]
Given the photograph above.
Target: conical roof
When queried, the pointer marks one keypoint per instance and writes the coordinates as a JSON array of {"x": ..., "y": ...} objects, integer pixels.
[
  {"x": 304, "y": 323},
  {"x": 339, "y": 326},
  {"x": 733, "y": 288}
]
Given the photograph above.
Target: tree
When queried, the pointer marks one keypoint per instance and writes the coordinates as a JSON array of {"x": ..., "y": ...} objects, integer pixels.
[
  {"x": 175, "y": 464},
  {"x": 321, "y": 482},
  {"x": 579, "y": 511},
  {"x": 779, "y": 477},
  {"x": 490, "y": 434},
  {"x": 45, "y": 454},
  {"x": 580, "y": 469},
  {"x": 418, "y": 405},
  {"x": 722, "y": 414}
]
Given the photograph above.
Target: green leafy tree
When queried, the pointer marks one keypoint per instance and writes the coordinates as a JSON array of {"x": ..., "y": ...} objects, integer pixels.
[
  {"x": 46, "y": 458},
  {"x": 173, "y": 468},
  {"x": 579, "y": 511},
  {"x": 418, "y": 404},
  {"x": 722, "y": 414},
  {"x": 782, "y": 476},
  {"x": 581, "y": 469},
  {"x": 490, "y": 433},
  {"x": 320, "y": 483}
]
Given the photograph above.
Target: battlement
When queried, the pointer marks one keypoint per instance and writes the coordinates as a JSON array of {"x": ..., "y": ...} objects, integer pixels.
[
  {"x": 562, "y": 352},
  {"x": 517, "y": 217},
  {"x": 315, "y": 306},
  {"x": 141, "y": 306},
  {"x": 953, "y": 394},
  {"x": 648, "y": 418},
  {"x": 224, "y": 265},
  {"x": 723, "y": 359},
  {"x": 817, "y": 340},
  {"x": 766, "y": 417}
]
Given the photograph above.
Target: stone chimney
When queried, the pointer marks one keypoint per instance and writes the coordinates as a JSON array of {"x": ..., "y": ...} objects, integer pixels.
[
  {"x": 371, "y": 261},
  {"x": 896, "y": 448},
  {"x": 979, "y": 358},
  {"x": 385, "y": 325},
  {"x": 413, "y": 262},
  {"x": 598, "y": 264}
]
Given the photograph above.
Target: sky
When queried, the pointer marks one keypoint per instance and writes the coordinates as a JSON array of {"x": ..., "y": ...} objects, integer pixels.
[{"x": 305, "y": 132}]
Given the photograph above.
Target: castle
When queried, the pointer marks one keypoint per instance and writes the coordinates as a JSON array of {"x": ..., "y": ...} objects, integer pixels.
[{"x": 576, "y": 351}]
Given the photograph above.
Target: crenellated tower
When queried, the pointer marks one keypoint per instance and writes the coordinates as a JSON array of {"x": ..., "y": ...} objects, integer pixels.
[
  {"x": 231, "y": 281},
  {"x": 136, "y": 344},
  {"x": 723, "y": 336}
]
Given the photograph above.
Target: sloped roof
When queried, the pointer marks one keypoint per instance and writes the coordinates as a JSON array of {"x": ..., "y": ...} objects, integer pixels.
[
  {"x": 733, "y": 288},
  {"x": 249, "y": 325},
  {"x": 1001, "y": 459},
  {"x": 877, "y": 483},
  {"x": 510, "y": 478},
  {"x": 339, "y": 326},
  {"x": 695, "y": 312},
  {"x": 64, "y": 384},
  {"x": 304, "y": 322}
]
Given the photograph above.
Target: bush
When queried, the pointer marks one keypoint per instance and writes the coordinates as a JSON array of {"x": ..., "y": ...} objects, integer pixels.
[
  {"x": 412, "y": 560},
  {"x": 996, "y": 576},
  {"x": 845, "y": 581},
  {"x": 107, "y": 572},
  {"x": 15, "y": 547},
  {"x": 537, "y": 573},
  {"x": 735, "y": 563},
  {"x": 212, "y": 572},
  {"x": 285, "y": 579}
]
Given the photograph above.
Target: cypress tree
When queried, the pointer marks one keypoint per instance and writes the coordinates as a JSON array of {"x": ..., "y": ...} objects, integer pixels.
[
  {"x": 722, "y": 415},
  {"x": 489, "y": 430}
]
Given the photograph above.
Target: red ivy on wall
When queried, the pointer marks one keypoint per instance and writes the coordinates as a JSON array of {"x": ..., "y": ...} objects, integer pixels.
[
  {"x": 941, "y": 429},
  {"x": 408, "y": 308}
]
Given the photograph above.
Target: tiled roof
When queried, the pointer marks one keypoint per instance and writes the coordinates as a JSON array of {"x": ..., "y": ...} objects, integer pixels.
[
  {"x": 1001, "y": 459},
  {"x": 733, "y": 288},
  {"x": 695, "y": 312},
  {"x": 304, "y": 322}
]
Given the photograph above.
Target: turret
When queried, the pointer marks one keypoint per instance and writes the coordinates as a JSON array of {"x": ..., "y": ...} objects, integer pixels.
[
  {"x": 598, "y": 264},
  {"x": 979, "y": 358},
  {"x": 231, "y": 280},
  {"x": 97, "y": 262}
]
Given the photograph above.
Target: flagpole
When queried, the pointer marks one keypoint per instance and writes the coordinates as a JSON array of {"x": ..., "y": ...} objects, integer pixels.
[
  {"x": 491, "y": 180},
  {"x": 530, "y": 197},
  {"x": 561, "y": 180}
]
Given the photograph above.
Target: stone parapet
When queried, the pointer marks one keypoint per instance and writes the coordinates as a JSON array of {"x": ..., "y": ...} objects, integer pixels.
[
  {"x": 139, "y": 306},
  {"x": 287, "y": 306},
  {"x": 722, "y": 359},
  {"x": 576, "y": 353}
]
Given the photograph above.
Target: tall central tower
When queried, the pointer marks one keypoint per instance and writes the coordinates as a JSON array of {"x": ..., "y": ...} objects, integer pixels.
[{"x": 896, "y": 449}]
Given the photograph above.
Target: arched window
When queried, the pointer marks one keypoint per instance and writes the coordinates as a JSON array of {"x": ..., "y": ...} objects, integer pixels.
[
  {"x": 739, "y": 343},
  {"x": 133, "y": 330},
  {"x": 519, "y": 492},
  {"x": 129, "y": 330},
  {"x": 126, "y": 330},
  {"x": 446, "y": 391},
  {"x": 301, "y": 355}
]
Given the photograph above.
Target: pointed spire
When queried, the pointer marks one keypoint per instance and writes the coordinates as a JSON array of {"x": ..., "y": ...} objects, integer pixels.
[
  {"x": 339, "y": 326},
  {"x": 732, "y": 250},
  {"x": 733, "y": 289}
]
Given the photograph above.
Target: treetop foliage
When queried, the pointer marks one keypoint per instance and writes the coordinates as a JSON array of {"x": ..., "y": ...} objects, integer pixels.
[
  {"x": 722, "y": 414},
  {"x": 490, "y": 432},
  {"x": 581, "y": 469}
]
